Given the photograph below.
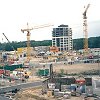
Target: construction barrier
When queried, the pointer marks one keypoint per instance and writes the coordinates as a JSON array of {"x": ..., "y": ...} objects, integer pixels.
[{"x": 12, "y": 67}]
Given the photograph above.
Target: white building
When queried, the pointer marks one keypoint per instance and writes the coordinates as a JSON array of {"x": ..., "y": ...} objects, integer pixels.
[{"x": 62, "y": 38}]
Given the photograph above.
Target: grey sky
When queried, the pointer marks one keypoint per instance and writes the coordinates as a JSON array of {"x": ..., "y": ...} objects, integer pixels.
[{"x": 14, "y": 15}]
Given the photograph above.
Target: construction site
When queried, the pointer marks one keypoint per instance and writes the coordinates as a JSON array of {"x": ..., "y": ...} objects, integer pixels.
[{"x": 56, "y": 72}]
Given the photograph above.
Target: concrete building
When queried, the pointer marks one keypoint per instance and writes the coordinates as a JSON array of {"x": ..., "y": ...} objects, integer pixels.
[{"x": 62, "y": 38}]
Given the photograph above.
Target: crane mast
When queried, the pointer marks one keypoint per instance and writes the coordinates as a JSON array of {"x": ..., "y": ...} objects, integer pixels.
[
  {"x": 85, "y": 30},
  {"x": 28, "y": 36},
  {"x": 28, "y": 40}
]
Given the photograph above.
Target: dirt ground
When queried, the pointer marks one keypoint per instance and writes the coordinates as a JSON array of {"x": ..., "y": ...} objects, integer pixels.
[
  {"x": 35, "y": 94},
  {"x": 68, "y": 69},
  {"x": 29, "y": 94},
  {"x": 76, "y": 68}
]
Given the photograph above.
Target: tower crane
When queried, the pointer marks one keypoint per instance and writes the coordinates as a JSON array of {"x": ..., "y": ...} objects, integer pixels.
[
  {"x": 85, "y": 29},
  {"x": 28, "y": 39},
  {"x": 28, "y": 36}
]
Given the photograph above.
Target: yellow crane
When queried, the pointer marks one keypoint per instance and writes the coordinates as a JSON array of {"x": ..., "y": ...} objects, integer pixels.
[
  {"x": 28, "y": 36},
  {"x": 28, "y": 39},
  {"x": 85, "y": 30}
]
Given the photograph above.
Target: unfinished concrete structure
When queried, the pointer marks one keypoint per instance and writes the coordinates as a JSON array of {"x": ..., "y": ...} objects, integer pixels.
[{"x": 62, "y": 38}]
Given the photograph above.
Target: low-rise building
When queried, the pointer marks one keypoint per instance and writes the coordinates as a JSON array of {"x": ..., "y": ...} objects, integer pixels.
[{"x": 41, "y": 49}]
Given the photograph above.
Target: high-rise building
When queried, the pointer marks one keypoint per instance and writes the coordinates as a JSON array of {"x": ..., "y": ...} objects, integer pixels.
[{"x": 62, "y": 38}]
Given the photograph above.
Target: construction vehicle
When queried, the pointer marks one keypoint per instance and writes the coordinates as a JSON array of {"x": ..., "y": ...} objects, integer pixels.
[
  {"x": 85, "y": 30},
  {"x": 28, "y": 37}
]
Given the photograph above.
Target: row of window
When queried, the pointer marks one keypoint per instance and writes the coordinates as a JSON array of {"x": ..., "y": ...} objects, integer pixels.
[
  {"x": 61, "y": 34},
  {"x": 62, "y": 49},
  {"x": 63, "y": 38}
]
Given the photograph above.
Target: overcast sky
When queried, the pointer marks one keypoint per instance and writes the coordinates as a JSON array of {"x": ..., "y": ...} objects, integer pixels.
[{"x": 14, "y": 15}]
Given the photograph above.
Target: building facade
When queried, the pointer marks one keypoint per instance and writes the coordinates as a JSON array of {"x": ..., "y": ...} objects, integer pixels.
[{"x": 62, "y": 38}]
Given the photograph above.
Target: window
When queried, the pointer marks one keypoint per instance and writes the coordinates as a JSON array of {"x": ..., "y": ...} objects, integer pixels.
[
  {"x": 60, "y": 28},
  {"x": 61, "y": 39},
  {"x": 53, "y": 43},
  {"x": 61, "y": 45},
  {"x": 65, "y": 33},
  {"x": 61, "y": 49},
  {"x": 65, "y": 43},
  {"x": 53, "y": 39}
]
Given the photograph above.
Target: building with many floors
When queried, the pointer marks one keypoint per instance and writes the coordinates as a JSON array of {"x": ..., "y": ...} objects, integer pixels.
[{"x": 62, "y": 38}]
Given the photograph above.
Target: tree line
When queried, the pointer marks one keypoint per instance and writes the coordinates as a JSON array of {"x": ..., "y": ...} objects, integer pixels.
[
  {"x": 8, "y": 47},
  {"x": 93, "y": 42}
]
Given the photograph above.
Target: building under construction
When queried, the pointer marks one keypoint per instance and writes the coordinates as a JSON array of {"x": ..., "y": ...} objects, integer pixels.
[{"x": 62, "y": 38}]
